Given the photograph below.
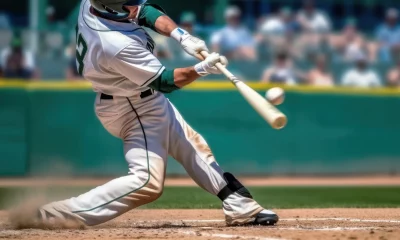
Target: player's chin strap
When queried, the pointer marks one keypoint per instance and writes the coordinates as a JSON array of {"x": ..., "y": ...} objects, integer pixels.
[{"x": 233, "y": 186}]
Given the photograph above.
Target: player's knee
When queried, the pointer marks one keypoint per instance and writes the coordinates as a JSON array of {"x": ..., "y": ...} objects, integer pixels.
[
  {"x": 155, "y": 190},
  {"x": 152, "y": 185},
  {"x": 149, "y": 188}
]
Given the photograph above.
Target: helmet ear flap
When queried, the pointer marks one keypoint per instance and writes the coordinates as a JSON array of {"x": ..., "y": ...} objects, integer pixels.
[{"x": 109, "y": 10}]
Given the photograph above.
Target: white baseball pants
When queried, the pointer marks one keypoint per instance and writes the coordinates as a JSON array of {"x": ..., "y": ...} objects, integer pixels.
[{"x": 151, "y": 129}]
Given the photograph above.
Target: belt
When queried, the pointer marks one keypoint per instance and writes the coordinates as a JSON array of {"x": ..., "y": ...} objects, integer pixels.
[{"x": 143, "y": 94}]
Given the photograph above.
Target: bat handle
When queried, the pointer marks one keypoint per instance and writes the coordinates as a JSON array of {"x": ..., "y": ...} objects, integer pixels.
[
  {"x": 221, "y": 67},
  {"x": 202, "y": 55}
]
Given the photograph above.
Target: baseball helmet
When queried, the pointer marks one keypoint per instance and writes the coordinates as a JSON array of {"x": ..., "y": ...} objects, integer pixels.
[{"x": 115, "y": 9}]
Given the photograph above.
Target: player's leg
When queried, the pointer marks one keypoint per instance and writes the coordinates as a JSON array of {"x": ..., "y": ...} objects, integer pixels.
[
  {"x": 192, "y": 151},
  {"x": 146, "y": 158}
]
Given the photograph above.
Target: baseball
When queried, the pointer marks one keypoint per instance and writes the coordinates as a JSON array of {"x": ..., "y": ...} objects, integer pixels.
[{"x": 275, "y": 95}]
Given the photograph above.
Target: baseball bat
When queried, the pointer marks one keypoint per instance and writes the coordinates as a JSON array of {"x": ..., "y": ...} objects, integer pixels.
[{"x": 268, "y": 111}]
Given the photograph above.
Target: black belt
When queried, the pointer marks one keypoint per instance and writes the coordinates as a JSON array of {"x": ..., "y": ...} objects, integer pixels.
[{"x": 144, "y": 94}]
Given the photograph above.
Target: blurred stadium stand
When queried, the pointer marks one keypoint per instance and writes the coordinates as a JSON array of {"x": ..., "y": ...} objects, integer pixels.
[
  {"x": 54, "y": 23},
  {"x": 355, "y": 128}
]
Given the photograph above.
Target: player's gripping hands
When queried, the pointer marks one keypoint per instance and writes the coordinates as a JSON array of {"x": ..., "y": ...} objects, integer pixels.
[
  {"x": 208, "y": 65},
  {"x": 191, "y": 44}
]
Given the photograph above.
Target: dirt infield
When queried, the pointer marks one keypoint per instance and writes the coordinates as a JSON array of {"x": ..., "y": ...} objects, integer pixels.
[{"x": 307, "y": 224}]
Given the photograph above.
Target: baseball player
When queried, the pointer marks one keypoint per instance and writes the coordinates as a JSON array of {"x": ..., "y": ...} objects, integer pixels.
[{"x": 114, "y": 52}]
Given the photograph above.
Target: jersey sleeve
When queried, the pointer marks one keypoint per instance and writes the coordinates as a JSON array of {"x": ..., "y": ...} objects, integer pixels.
[
  {"x": 137, "y": 64},
  {"x": 148, "y": 15}
]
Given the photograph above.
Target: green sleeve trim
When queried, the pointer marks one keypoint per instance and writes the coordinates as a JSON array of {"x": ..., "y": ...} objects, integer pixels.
[
  {"x": 149, "y": 13},
  {"x": 165, "y": 83}
]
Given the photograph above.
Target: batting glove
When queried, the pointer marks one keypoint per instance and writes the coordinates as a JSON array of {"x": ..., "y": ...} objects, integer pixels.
[
  {"x": 208, "y": 65},
  {"x": 192, "y": 45}
]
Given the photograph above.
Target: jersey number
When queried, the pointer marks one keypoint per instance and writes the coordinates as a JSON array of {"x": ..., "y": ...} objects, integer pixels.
[{"x": 81, "y": 50}]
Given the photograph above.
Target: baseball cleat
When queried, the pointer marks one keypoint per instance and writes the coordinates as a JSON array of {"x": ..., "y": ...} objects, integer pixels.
[{"x": 266, "y": 218}]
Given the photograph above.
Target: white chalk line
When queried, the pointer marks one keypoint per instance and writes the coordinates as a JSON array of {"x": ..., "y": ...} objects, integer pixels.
[
  {"x": 299, "y": 228},
  {"x": 326, "y": 228},
  {"x": 228, "y": 236},
  {"x": 342, "y": 219},
  {"x": 286, "y": 220}
]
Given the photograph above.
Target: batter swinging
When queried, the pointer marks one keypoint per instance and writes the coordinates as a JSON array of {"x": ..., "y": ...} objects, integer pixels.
[{"x": 114, "y": 52}]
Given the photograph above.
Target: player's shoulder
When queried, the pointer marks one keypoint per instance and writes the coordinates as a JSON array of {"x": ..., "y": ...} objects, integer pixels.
[
  {"x": 115, "y": 42},
  {"x": 113, "y": 36}
]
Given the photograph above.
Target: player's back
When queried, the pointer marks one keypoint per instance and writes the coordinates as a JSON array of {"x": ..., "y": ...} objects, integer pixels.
[{"x": 115, "y": 56}]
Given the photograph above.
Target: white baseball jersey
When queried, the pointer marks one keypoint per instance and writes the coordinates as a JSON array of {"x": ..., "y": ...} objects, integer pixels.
[
  {"x": 120, "y": 63},
  {"x": 115, "y": 56}
]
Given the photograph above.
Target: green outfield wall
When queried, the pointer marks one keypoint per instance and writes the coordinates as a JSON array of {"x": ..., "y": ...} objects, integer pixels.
[{"x": 51, "y": 129}]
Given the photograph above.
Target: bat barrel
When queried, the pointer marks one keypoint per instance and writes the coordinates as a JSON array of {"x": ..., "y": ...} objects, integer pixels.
[
  {"x": 269, "y": 112},
  {"x": 279, "y": 122}
]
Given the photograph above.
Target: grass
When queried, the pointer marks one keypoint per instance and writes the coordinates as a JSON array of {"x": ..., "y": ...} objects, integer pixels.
[
  {"x": 289, "y": 197},
  {"x": 269, "y": 197}
]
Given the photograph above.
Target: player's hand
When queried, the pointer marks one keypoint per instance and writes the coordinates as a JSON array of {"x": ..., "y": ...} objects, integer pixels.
[
  {"x": 193, "y": 45},
  {"x": 208, "y": 65}
]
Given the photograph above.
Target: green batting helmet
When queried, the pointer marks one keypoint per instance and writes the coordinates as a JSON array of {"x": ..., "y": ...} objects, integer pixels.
[{"x": 115, "y": 9}]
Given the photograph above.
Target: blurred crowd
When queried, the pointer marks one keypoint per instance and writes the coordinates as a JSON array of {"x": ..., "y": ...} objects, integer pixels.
[
  {"x": 17, "y": 62},
  {"x": 302, "y": 47},
  {"x": 299, "y": 46}
]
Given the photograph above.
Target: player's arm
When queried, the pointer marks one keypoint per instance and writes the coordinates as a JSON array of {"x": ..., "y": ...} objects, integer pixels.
[
  {"x": 140, "y": 66},
  {"x": 171, "y": 80},
  {"x": 154, "y": 17}
]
